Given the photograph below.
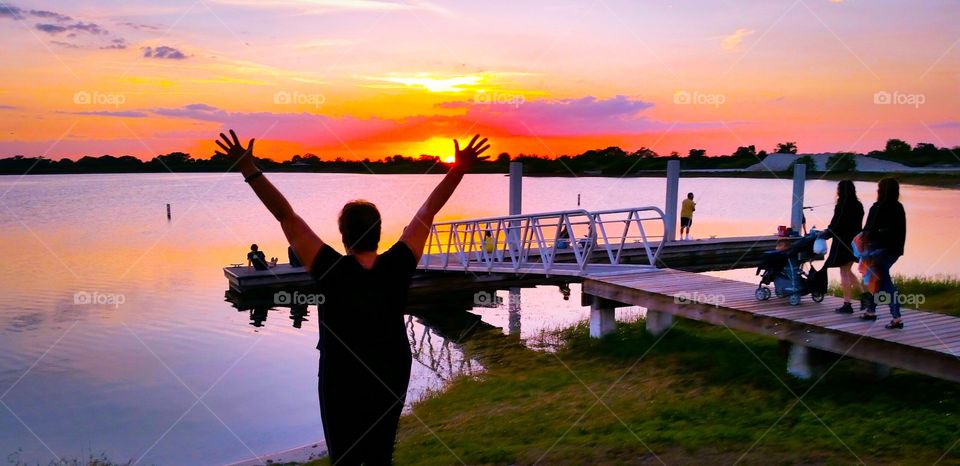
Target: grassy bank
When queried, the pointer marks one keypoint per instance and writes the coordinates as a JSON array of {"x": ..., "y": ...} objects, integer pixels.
[
  {"x": 940, "y": 294},
  {"x": 700, "y": 395}
]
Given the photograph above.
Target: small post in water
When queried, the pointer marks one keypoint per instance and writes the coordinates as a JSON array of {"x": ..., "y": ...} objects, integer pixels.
[{"x": 168, "y": 211}]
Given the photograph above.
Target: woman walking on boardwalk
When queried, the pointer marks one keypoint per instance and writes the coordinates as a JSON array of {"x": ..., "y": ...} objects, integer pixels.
[
  {"x": 846, "y": 223},
  {"x": 886, "y": 233}
]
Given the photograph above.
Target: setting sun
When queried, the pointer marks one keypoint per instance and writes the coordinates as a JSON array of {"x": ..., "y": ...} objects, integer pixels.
[{"x": 435, "y": 147}]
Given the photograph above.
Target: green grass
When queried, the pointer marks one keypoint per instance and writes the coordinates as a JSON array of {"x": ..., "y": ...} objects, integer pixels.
[
  {"x": 701, "y": 395},
  {"x": 939, "y": 294}
]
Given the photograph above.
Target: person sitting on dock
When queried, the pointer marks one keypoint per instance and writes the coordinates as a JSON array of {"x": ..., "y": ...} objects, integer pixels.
[
  {"x": 686, "y": 215},
  {"x": 256, "y": 258},
  {"x": 365, "y": 356}
]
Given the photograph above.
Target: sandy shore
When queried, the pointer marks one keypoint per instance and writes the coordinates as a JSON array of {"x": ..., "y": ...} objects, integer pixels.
[{"x": 301, "y": 454}]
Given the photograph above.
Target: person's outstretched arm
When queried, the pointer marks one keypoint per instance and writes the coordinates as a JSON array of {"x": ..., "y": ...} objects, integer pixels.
[
  {"x": 304, "y": 241},
  {"x": 416, "y": 233}
]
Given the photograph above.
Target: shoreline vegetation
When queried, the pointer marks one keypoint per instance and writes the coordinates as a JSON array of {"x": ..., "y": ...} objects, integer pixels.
[{"x": 611, "y": 162}]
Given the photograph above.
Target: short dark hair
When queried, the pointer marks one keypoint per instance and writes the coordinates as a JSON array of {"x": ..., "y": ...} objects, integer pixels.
[
  {"x": 888, "y": 189},
  {"x": 359, "y": 223},
  {"x": 253, "y": 247},
  {"x": 689, "y": 194}
]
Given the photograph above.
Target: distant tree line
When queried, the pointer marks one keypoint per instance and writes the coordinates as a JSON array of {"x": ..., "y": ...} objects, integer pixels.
[{"x": 612, "y": 161}]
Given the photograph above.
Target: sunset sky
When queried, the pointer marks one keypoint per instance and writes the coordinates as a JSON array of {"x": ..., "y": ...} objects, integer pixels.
[{"x": 369, "y": 78}]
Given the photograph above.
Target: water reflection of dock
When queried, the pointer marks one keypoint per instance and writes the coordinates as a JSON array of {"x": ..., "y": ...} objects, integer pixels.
[{"x": 436, "y": 328}]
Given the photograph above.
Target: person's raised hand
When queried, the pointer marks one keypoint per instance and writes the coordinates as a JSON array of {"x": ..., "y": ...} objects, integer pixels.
[
  {"x": 467, "y": 157},
  {"x": 233, "y": 150}
]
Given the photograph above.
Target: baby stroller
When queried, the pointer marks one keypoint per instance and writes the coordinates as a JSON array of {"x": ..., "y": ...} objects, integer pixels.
[{"x": 792, "y": 272}]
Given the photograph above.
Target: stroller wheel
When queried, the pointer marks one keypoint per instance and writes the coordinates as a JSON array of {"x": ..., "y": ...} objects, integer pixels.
[
  {"x": 816, "y": 297},
  {"x": 762, "y": 294},
  {"x": 794, "y": 299}
]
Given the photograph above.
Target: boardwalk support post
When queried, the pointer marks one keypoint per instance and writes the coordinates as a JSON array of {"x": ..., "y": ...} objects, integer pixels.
[
  {"x": 798, "y": 362},
  {"x": 603, "y": 319},
  {"x": 796, "y": 210},
  {"x": 804, "y": 362},
  {"x": 658, "y": 322},
  {"x": 670, "y": 207},
  {"x": 513, "y": 307}
]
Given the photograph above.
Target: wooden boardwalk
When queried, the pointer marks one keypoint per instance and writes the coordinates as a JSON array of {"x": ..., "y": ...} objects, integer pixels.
[{"x": 930, "y": 343}]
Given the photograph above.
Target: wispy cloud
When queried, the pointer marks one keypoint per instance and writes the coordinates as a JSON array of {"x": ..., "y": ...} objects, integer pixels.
[
  {"x": 120, "y": 114},
  {"x": 334, "y": 6},
  {"x": 164, "y": 52},
  {"x": 63, "y": 44},
  {"x": 50, "y": 15},
  {"x": 15, "y": 12},
  {"x": 731, "y": 42}
]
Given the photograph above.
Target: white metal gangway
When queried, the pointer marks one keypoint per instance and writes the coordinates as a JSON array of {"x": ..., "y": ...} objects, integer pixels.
[{"x": 547, "y": 243}]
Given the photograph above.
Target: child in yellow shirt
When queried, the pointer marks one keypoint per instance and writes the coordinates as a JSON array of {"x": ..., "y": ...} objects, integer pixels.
[{"x": 686, "y": 215}]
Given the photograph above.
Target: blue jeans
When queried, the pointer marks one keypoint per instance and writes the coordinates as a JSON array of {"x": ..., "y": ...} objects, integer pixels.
[{"x": 891, "y": 296}]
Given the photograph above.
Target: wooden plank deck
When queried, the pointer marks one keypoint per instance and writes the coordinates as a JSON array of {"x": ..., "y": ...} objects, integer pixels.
[
  {"x": 930, "y": 343},
  {"x": 245, "y": 278}
]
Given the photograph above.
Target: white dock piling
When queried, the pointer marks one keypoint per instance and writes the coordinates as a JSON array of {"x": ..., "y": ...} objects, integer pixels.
[
  {"x": 796, "y": 205},
  {"x": 670, "y": 205},
  {"x": 516, "y": 187}
]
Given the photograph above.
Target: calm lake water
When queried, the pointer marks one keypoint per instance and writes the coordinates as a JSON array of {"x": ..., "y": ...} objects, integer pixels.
[{"x": 164, "y": 371}]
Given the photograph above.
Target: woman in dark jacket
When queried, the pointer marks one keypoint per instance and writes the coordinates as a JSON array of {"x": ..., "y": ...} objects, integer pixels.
[
  {"x": 886, "y": 232},
  {"x": 845, "y": 225}
]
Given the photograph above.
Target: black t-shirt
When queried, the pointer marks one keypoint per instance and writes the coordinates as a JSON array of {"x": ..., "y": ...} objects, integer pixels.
[
  {"x": 258, "y": 259},
  {"x": 362, "y": 312}
]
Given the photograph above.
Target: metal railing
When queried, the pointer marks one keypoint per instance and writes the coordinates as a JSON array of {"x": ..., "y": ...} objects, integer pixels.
[{"x": 544, "y": 240}]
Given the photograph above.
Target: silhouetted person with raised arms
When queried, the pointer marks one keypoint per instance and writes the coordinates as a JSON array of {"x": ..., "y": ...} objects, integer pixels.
[{"x": 364, "y": 353}]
